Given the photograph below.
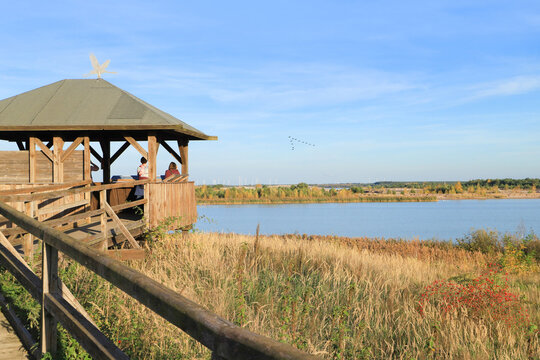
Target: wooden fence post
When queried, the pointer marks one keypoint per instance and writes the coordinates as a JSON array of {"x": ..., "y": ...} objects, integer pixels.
[
  {"x": 28, "y": 243},
  {"x": 183, "y": 149},
  {"x": 32, "y": 160},
  {"x": 50, "y": 285},
  {"x": 103, "y": 218},
  {"x": 147, "y": 211},
  {"x": 87, "y": 175}
]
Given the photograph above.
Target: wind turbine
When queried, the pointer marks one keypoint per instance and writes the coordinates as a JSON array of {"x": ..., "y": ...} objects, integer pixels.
[{"x": 99, "y": 69}]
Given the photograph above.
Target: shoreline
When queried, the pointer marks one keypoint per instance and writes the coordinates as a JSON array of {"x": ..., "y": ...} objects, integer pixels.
[
  {"x": 312, "y": 201},
  {"x": 361, "y": 200}
]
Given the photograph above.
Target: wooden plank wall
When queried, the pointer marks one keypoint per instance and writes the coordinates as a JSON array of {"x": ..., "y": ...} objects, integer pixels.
[
  {"x": 172, "y": 200},
  {"x": 14, "y": 167}
]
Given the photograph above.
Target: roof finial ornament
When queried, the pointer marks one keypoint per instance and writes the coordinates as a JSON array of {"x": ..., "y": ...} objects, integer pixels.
[{"x": 99, "y": 69}]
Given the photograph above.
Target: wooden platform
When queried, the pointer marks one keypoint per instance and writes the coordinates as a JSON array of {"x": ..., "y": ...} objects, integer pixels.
[{"x": 10, "y": 346}]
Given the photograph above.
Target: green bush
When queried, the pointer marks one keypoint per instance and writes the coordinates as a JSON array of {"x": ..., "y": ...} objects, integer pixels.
[
  {"x": 532, "y": 246},
  {"x": 484, "y": 241}
]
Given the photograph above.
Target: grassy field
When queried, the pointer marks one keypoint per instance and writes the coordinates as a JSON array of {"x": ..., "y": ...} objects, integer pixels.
[{"x": 339, "y": 298}]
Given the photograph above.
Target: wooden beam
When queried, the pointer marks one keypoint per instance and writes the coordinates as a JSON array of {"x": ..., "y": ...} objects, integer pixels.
[
  {"x": 59, "y": 208},
  {"x": 44, "y": 148},
  {"x": 87, "y": 161},
  {"x": 103, "y": 217},
  {"x": 171, "y": 151},
  {"x": 50, "y": 144},
  {"x": 37, "y": 189},
  {"x": 152, "y": 157},
  {"x": 136, "y": 145},
  {"x": 71, "y": 148},
  {"x": 183, "y": 148},
  {"x": 119, "y": 151},
  {"x": 58, "y": 164},
  {"x": 28, "y": 243},
  {"x": 73, "y": 218},
  {"x": 32, "y": 163},
  {"x": 61, "y": 193},
  {"x": 87, "y": 172},
  {"x": 96, "y": 154},
  {"x": 121, "y": 225},
  {"x": 106, "y": 162},
  {"x": 49, "y": 279}
]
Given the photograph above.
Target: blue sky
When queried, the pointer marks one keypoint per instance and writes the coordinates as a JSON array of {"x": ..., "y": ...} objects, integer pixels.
[{"x": 386, "y": 90}]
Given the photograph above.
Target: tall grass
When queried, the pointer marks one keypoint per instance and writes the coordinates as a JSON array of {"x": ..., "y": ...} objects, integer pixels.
[{"x": 336, "y": 297}]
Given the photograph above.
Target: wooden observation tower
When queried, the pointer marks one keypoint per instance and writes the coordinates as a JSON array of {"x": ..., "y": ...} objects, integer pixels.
[{"x": 58, "y": 128}]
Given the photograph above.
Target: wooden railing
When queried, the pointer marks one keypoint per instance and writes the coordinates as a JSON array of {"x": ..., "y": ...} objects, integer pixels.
[
  {"x": 224, "y": 339},
  {"x": 50, "y": 204}
]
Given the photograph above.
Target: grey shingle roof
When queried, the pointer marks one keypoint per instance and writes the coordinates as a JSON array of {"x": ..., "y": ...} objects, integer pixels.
[{"x": 82, "y": 104}]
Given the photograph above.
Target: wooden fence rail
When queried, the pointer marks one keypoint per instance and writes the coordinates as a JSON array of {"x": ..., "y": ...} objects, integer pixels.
[{"x": 224, "y": 339}]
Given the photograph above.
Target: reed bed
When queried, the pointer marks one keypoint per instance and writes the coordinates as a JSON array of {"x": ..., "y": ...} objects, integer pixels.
[{"x": 333, "y": 297}]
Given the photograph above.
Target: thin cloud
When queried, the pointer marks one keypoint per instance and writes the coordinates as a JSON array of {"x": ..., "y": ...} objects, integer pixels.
[{"x": 508, "y": 87}]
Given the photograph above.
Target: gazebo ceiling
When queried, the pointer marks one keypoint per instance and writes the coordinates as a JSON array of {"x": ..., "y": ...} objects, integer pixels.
[{"x": 95, "y": 107}]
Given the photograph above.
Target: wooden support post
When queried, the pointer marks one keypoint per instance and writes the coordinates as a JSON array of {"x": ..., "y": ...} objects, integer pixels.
[
  {"x": 87, "y": 161},
  {"x": 103, "y": 217},
  {"x": 152, "y": 157},
  {"x": 87, "y": 175},
  {"x": 106, "y": 162},
  {"x": 28, "y": 243},
  {"x": 50, "y": 286},
  {"x": 32, "y": 160},
  {"x": 58, "y": 164},
  {"x": 183, "y": 149},
  {"x": 147, "y": 206}
]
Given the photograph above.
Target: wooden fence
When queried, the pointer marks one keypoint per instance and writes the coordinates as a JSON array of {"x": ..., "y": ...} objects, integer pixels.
[
  {"x": 164, "y": 203},
  {"x": 224, "y": 339},
  {"x": 63, "y": 209}
]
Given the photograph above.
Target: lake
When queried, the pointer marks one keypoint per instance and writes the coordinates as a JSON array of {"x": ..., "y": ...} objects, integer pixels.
[{"x": 442, "y": 220}]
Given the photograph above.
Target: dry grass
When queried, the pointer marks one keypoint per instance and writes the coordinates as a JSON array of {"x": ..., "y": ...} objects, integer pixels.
[{"x": 338, "y": 298}]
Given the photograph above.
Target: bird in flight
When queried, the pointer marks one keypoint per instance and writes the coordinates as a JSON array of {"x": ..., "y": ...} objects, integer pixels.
[
  {"x": 99, "y": 69},
  {"x": 292, "y": 140}
]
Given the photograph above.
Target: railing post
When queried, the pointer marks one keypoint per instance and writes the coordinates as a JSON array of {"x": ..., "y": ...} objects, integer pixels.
[
  {"x": 147, "y": 205},
  {"x": 103, "y": 218},
  {"x": 50, "y": 285},
  {"x": 28, "y": 244}
]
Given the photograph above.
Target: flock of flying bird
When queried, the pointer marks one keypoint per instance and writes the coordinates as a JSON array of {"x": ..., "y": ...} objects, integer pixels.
[{"x": 293, "y": 140}]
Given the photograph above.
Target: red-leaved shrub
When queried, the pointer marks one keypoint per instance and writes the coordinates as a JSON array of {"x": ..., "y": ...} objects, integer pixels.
[{"x": 484, "y": 297}]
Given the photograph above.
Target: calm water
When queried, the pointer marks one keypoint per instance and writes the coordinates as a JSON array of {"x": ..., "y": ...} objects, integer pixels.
[{"x": 441, "y": 220}]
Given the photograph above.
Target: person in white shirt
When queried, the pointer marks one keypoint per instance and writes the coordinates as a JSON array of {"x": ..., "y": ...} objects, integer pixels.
[{"x": 142, "y": 172}]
